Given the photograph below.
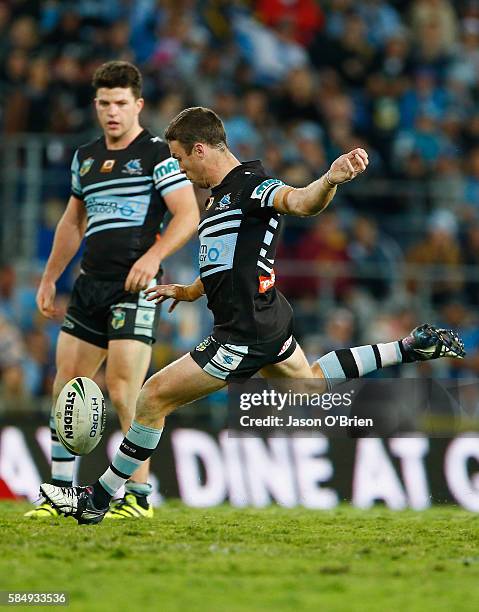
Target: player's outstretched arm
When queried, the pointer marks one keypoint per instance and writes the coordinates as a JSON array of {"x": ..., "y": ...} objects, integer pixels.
[
  {"x": 178, "y": 293},
  {"x": 68, "y": 236},
  {"x": 183, "y": 224},
  {"x": 311, "y": 200}
]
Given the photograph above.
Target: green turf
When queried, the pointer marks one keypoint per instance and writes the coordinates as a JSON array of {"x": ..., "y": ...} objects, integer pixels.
[{"x": 230, "y": 560}]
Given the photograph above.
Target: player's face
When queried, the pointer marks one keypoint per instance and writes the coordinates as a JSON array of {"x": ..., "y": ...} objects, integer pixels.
[
  {"x": 117, "y": 110},
  {"x": 193, "y": 164}
]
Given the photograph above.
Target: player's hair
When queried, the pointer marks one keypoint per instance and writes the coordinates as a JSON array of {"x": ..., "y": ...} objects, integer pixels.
[
  {"x": 118, "y": 74},
  {"x": 197, "y": 124}
]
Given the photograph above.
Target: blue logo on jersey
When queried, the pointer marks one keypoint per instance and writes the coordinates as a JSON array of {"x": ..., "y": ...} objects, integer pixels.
[
  {"x": 216, "y": 250},
  {"x": 225, "y": 202},
  {"x": 228, "y": 359},
  {"x": 133, "y": 167}
]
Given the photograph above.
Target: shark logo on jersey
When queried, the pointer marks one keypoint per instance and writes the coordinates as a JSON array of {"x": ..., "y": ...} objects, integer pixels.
[
  {"x": 133, "y": 167},
  {"x": 224, "y": 203},
  {"x": 86, "y": 166}
]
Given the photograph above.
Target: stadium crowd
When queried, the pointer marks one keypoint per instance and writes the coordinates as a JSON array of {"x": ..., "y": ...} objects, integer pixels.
[{"x": 297, "y": 83}]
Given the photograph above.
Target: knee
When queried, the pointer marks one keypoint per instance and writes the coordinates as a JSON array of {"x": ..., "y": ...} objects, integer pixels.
[{"x": 154, "y": 402}]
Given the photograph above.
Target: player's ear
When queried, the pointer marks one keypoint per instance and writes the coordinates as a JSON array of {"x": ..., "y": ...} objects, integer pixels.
[
  {"x": 140, "y": 103},
  {"x": 199, "y": 149}
]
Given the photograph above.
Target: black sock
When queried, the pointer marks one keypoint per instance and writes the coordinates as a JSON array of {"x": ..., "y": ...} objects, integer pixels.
[
  {"x": 61, "y": 483},
  {"x": 101, "y": 497},
  {"x": 142, "y": 501}
]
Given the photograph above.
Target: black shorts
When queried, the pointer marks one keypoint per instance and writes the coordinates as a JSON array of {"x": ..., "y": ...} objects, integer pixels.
[
  {"x": 233, "y": 361},
  {"x": 101, "y": 310}
]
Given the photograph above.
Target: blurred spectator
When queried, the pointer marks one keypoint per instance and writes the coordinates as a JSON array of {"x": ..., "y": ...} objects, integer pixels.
[
  {"x": 299, "y": 99},
  {"x": 436, "y": 16},
  {"x": 352, "y": 54},
  {"x": 324, "y": 248},
  {"x": 305, "y": 16},
  {"x": 381, "y": 19},
  {"x": 424, "y": 140},
  {"x": 339, "y": 330},
  {"x": 36, "y": 363},
  {"x": 7, "y": 291},
  {"x": 12, "y": 353},
  {"x": 447, "y": 188},
  {"x": 440, "y": 250},
  {"x": 471, "y": 259},
  {"x": 471, "y": 191},
  {"x": 423, "y": 99},
  {"x": 456, "y": 316},
  {"x": 272, "y": 53},
  {"x": 374, "y": 258}
]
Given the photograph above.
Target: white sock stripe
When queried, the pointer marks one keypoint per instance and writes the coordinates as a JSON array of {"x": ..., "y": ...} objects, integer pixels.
[
  {"x": 111, "y": 482},
  {"x": 63, "y": 470},
  {"x": 358, "y": 360},
  {"x": 390, "y": 353}
]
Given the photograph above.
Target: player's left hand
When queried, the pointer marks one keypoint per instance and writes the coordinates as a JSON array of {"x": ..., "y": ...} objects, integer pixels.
[
  {"x": 348, "y": 166},
  {"x": 142, "y": 272}
]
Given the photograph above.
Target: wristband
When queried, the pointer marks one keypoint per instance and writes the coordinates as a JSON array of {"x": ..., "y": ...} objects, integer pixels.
[{"x": 330, "y": 182}]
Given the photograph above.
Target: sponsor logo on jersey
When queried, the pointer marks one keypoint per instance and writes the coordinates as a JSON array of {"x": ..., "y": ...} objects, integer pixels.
[
  {"x": 212, "y": 254},
  {"x": 86, "y": 166},
  {"x": 228, "y": 359},
  {"x": 169, "y": 166},
  {"x": 107, "y": 166},
  {"x": 286, "y": 346},
  {"x": 133, "y": 167},
  {"x": 224, "y": 203},
  {"x": 156, "y": 139},
  {"x": 101, "y": 207},
  {"x": 258, "y": 192},
  {"x": 119, "y": 317},
  {"x": 202, "y": 345},
  {"x": 266, "y": 282}
]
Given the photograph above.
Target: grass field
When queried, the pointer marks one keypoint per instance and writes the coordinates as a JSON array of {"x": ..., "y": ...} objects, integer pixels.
[{"x": 229, "y": 560}]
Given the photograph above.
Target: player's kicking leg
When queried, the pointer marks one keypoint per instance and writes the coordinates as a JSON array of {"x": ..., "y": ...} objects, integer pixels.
[
  {"x": 180, "y": 383},
  {"x": 74, "y": 357},
  {"x": 423, "y": 343}
]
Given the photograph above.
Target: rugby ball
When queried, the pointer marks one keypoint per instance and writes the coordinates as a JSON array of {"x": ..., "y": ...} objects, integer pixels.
[{"x": 80, "y": 415}]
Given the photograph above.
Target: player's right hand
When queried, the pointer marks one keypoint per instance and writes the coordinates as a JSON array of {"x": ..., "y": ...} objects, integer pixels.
[
  {"x": 46, "y": 299},
  {"x": 178, "y": 293}
]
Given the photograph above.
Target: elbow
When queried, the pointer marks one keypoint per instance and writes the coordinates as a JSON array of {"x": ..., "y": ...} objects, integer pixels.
[{"x": 302, "y": 210}]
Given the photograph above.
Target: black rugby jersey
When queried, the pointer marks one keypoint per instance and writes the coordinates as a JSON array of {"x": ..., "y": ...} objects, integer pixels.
[
  {"x": 238, "y": 237},
  {"x": 123, "y": 192}
]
